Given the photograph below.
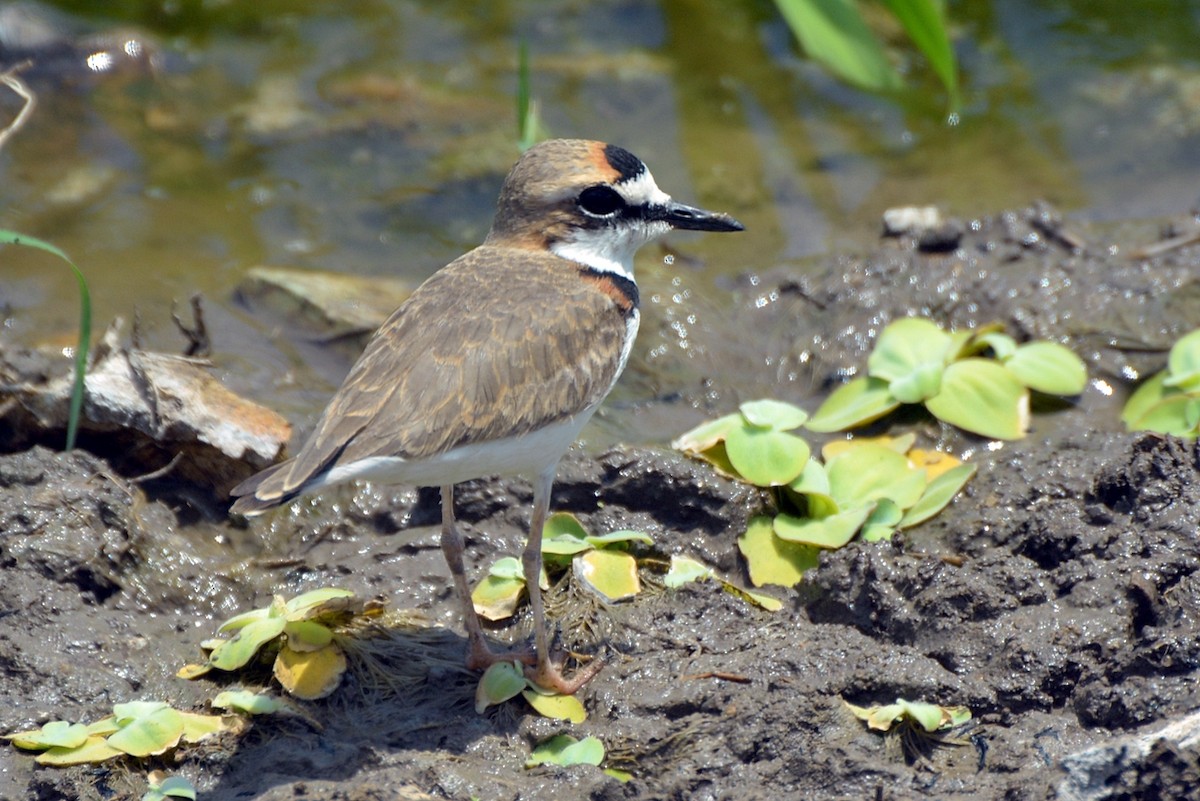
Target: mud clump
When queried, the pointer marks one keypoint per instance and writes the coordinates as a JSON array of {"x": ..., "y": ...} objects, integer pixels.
[{"x": 1058, "y": 598}]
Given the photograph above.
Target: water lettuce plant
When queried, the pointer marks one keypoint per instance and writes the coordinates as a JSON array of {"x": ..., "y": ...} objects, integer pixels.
[
  {"x": 979, "y": 381},
  {"x": 873, "y": 486},
  {"x": 601, "y": 564},
  {"x": 301, "y": 635},
  {"x": 1169, "y": 401},
  {"x": 685, "y": 570},
  {"x": 163, "y": 787},
  {"x": 929, "y": 718},
  {"x": 504, "y": 681},
  {"x": 136, "y": 728}
]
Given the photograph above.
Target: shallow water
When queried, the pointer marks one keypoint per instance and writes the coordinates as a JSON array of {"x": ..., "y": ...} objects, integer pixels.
[{"x": 373, "y": 142}]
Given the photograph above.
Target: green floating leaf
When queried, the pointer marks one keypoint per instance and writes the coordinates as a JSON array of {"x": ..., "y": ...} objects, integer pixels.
[
  {"x": 146, "y": 734},
  {"x": 905, "y": 346},
  {"x": 95, "y": 750},
  {"x": 500, "y": 682},
  {"x": 922, "y": 383},
  {"x": 1003, "y": 346},
  {"x": 1149, "y": 394},
  {"x": 773, "y": 414},
  {"x": 771, "y": 560},
  {"x": 251, "y": 703},
  {"x": 619, "y": 537},
  {"x": 929, "y": 717},
  {"x": 1175, "y": 414},
  {"x": 685, "y": 570},
  {"x": 983, "y": 397},
  {"x": 871, "y": 472},
  {"x": 824, "y": 532},
  {"x": 611, "y": 574},
  {"x": 556, "y": 707},
  {"x": 1183, "y": 363},
  {"x": 246, "y": 618},
  {"x": 881, "y": 524},
  {"x": 853, "y": 404},
  {"x": 313, "y": 604},
  {"x": 706, "y": 435},
  {"x": 171, "y": 787},
  {"x": 237, "y": 652},
  {"x": 57, "y": 733},
  {"x": 761, "y": 600},
  {"x": 1048, "y": 367},
  {"x": 938, "y": 493},
  {"x": 497, "y": 596},
  {"x": 310, "y": 674},
  {"x": 766, "y": 458},
  {"x": 564, "y": 535},
  {"x": 834, "y": 33},
  {"x": 563, "y": 750},
  {"x": 307, "y": 635}
]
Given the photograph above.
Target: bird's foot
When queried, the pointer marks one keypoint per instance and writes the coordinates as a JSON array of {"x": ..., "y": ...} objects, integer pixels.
[
  {"x": 547, "y": 674},
  {"x": 481, "y": 657}
]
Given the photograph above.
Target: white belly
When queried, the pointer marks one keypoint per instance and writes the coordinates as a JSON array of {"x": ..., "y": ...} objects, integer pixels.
[{"x": 531, "y": 455}]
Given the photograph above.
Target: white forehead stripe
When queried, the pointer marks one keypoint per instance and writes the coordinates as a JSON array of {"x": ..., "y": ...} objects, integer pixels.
[{"x": 642, "y": 191}]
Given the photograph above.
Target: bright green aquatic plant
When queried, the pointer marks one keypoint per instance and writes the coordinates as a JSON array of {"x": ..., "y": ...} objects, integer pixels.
[
  {"x": 929, "y": 718},
  {"x": 872, "y": 486},
  {"x": 600, "y": 563},
  {"x": 307, "y": 657},
  {"x": 1169, "y": 402},
  {"x": 979, "y": 381},
  {"x": 137, "y": 728},
  {"x": 163, "y": 787}
]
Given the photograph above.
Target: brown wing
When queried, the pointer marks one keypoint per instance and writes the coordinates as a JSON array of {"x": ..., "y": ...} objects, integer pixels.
[{"x": 483, "y": 350}]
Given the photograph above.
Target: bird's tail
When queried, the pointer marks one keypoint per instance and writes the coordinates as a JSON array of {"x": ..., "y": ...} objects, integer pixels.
[{"x": 256, "y": 495}]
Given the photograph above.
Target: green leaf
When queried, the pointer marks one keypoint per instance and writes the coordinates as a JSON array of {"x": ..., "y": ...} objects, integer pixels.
[
  {"x": 1174, "y": 414},
  {"x": 1183, "y": 363},
  {"x": 685, "y": 570},
  {"x": 773, "y": 414},
  {"x": 761, "y": 600},
  {"x": 557, "y": 707},
  {"x": 95, "y": 750},
  {"x": 85, "y": 326},
  {"x": 152, "y": 733},
  {"x": 497, "y": 596},
  {"x": 564, "y": 535},
  {"x": 233, "y": 654},
  {"x": 853, "y": 404},
  {"x": 939, "y": 492},
  {"x": 922, "y": 383},
  {"x": 251, "y": 703},
  {"x": 834, "y": 33},
  {"x": 905, "y": 346},
  {"x": 246, "y": 618},
  {"x": 57, "y": 733},
  {"x": 500, "y": 682},
  {"x": 771, "y": 560},
  {"x": 925, "y": 23},
  {"x": 307, "y": 635},
  {"x": 863, "y": 475},
  {"x": 825, "y": 532},
  {"x": 1152, "y": 392},
  {"x": 706, "y": 435},
  {"x": 615, "y": 537},
  {"x": 981, "y": 396},
  {"x": 612, "y": 574},
  {"x": 1003, "y": 346},
  {"x": 176, "y": 787},
  {"x": 1048, "y": 367},
  {"x": 881, "y": 523},
  {"x": 563, "y": 750},
  {"x": 310, "y": 674},
  {"x": 316, "y": 602},
  {"x": 766, "y": 458}
]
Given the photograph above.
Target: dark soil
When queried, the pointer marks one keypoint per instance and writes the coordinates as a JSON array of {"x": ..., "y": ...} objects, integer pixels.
[{"x": 1058, "y": 597}]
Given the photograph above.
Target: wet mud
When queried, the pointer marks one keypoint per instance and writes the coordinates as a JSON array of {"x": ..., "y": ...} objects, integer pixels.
[{"x": 1058, "y": 597}]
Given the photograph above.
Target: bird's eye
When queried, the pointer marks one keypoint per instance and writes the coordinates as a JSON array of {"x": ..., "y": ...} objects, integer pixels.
[{"x": 601, "y": 201}]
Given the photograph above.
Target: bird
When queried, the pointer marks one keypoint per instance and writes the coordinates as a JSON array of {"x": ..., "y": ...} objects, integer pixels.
[{"x": 496, "y": 362}]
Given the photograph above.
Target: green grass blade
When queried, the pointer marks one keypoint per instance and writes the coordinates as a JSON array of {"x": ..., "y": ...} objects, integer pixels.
[
  {"x": 834, "y": 33},
  {"x": 85, "y": 325},
  {"x": 925, "y": 23}
]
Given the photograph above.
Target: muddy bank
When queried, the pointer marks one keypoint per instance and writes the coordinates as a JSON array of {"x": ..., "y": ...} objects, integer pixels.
[{"x": 1057, "y": 598}]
